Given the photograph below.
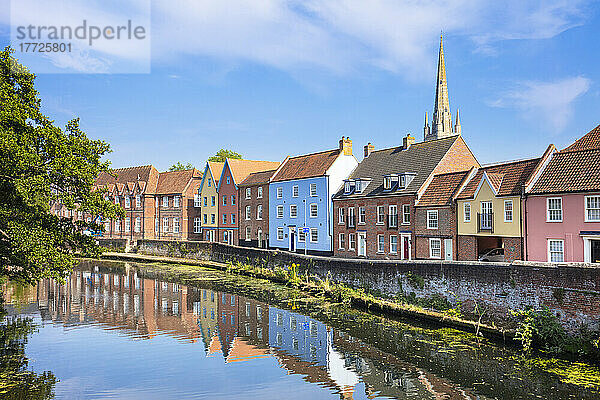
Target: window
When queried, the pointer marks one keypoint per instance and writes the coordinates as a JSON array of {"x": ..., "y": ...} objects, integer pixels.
[
  {"x": 380, "y": 243},
  {"x": 301, "y": 235},
  {"x": 176, "y": 225},
  {"x": 205, "y": 202},
  {"x": 362, "y": 215},
  {"x": 393, "y": 217},
  {"x": 107, "y": 225},
  {"x": 508, "y": 211},
  {"x": 197, "y": 224},
  {"x": 117, "y": 200},
  {"x": 592, "y": 208},
  {"x": 248, "y": 193},
  {"x": 341, "y": 241},
  {"x": 228, "y": 180},
  {"x": 387, "y": 182},
  {"x": 347, "y": 187},
  {"x": 196, "y": 200},
  {"x": 313, "y": 190},
  {"x": 554, "y": 213},
  {"x": 138, "y": 201},
  {"x": 279, "y": 192},
  {"x": 176, "y": 201},
  {"x": 118, "y": 225},
  {"x": 314, "y": 210},
  {"x": 248, "y": 233},
  {"x": 233, "y": 199},
  {"x": 127, "y": 224},
  {"x": 248, "y": 212},
  {"x": 259, "y": 192},
  {"x": 467, "y": 212},
  {"x": 405, "y": 214},
  {"x": 279, "y": 211},
  {"x": 224, "y": 218},
  {"x": 224, "y": 200},
  {"x": 259, "y": 212},
  {"x": 293, "y": 211},
  {"x": 432, "y": 219},
  {"x": 435, "y": 248},
  {"x": 341, "y": 215},
  {"x": 138, "y": 224},
  {"x": 205, "y": 219},
  {"x": 209, "y": 182},
  {"x": 212, "y": 201},
  {"x": 556, "y": 251},
  {"x": 295, "y": 191},
  {"x": 165, "y": 201},
  {"x": 351, "y": 219},
  {"x": 351, "y": 241},
  {"x": 232, "y": 219},
  {"x": 279, "y": 233},
  {"x": 127, "y": 202},
  {"x": 314, "y": 235},
  {"x": 213, "y": 218},
  {"x": 165, "y": 224},
  {"x": 380, "y": 215},
  {"x": 393, "y": 244}
]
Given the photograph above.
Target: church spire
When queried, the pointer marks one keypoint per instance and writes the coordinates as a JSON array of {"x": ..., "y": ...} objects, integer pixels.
[{"x": 457, "y": 128}]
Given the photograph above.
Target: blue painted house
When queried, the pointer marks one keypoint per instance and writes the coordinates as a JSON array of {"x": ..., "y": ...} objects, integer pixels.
[{"x": 300, "y": 205}]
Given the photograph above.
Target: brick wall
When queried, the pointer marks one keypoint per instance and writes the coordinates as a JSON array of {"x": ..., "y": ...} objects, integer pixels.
[
  {"x": 512, "y": 248},
  {"x": 467, "y": 248},
  {"x": 446, "y": 230},
  {"x": 254, "y": 223}
]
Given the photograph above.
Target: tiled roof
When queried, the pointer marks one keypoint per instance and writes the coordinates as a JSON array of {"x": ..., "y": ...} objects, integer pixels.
[
  {"x": 147, "y": 175},
  {"x": 570, "y": 171},
  {"x": 588, "y": 142},
  {"x": 307, "y": 166},
  {"x": 240, "y": 169},
  {"x": 216, "y": 168},
  {"x": 175, "y": 181},
  {"x": 507, "y": 178},
  {"x": 420, "y": 158},
  {"x": 442, "y": 188},
  {"x": 257, "y": 178}
]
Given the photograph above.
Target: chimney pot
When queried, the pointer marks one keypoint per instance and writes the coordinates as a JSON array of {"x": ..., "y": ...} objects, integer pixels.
[
  {"x": 408, "y": 141},
  {"x": 368, "y": 149},
  {"x": 346, "y": 146}
]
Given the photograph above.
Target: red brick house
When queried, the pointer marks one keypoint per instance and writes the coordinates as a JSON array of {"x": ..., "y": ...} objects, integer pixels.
[
  {"x": 436, "y": 228},
  {"x": 374, "y": 213},
  {"x": 234, "y": 172},
  {"x": 254, "y": 209}
]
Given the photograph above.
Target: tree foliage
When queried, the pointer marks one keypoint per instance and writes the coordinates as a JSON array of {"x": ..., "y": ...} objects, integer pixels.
[
  {"x": 223, "y": 154},
  {"x": 41, "y": 164},
  {"x": 181, "y": 167}
]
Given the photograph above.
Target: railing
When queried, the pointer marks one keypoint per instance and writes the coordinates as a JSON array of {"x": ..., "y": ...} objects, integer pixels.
[
  {"x": 351, "y": 221},
  {"x": 392, "y": 221},
  {"x": 485, "y": 222}
]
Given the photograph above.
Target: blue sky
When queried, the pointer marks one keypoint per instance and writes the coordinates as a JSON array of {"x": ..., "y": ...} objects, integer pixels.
[{"x": 275, "y": 78}]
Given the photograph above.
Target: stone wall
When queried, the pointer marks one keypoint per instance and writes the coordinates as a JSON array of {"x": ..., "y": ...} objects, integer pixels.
[{"x": 571, "y": 291}]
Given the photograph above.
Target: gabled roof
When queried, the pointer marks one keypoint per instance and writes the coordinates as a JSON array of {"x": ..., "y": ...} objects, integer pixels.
[
  {"x": 442, "y": 189},
  {"x": 590, "y": 141},
  {"x": 128, "y": 177},
  {"x": 216, "y": 168},
  {"x": 306, "y": 166},
  {"x": 507, "y": 178},
  {"x": 420, "y": 158},
  {"x": 172, "y": 182},
  {"x": 258, "y": 178},
  {"x": 240, "y": 169}
]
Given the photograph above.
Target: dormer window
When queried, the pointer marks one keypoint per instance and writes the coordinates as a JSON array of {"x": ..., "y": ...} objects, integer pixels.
[
  {"x": 390, "y": 182},
  {"x": 348, "y": 186},
  {"x": 361, "y": 184}
]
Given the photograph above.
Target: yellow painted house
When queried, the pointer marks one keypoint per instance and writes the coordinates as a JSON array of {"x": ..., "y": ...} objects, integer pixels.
[
  {"x": 490, "y": 217},
  {"x": 209, "y": 199}
]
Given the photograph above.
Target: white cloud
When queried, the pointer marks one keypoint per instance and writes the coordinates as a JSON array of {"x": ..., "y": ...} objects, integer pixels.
[{"x": 547, "y": 103}]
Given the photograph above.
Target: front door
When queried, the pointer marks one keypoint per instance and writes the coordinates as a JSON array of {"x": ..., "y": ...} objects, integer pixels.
[
  {"x": 211, "y": 235},
  {"x": 405, "y": 247},
  {"x": 259, "y": 238},
  {"x": 448, "y": 249},
  {"x": 230, "y": 238},
  {"x": 595, "y": 244},
  {"x": 292, "y": 237},
  {"x": 362, "y": 244}
]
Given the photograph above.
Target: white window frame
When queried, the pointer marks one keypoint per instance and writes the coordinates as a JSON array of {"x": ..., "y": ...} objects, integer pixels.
[
  {"x": 176, "y": 201},
  {"x": 165, "y": 202},
  {"x": 380, "y": 243},
  {"x": 259, "y": 192},
  {"x": 380, "y": 215},
  {"x": 165, "y": 224},
  {"x": 259, "y": 212},
  {"x": 351, "y": 241},
  {"x": 248, "y": 233},
  {"x": 293, "y": 211},
  {"x": 393, "y": 243},
  {"x": 197, "y": 225},
  {"x": 562, "y": 244},
  {"x": 362, "y": 215},
  {"x": 176, "y": 226},
  {"x": 467, "y": 212},
  {"x": 301, "y": 235},
  {"x": 138, "y": 201},
  {"x": 197, "y": 200},
  {"x": 137, "y": 227},
  {"x": 279, "y": 211},
  {"x": 315, "y": 231},
  {"x": 511, "y": 211},
  {"x": 405, "y": 214},
  {"x": 118, "y": 225},
  {"x": 429, "y": 219},
  {"x": 313, "y": 190},
  {"x": 295, "y": 191},
  {"x": 127, "y": 224},
  {"x": 127, "y": 202},
  {"x": 248, "y": 212},
  {"x": 316, "y": 210},
  {"x": 280, "y": 192},
  {"x": 432, "y": 249},
  {"x": 248, "y": 193},
  {"x": 548, "y": 218},
  {"x": 341, "y": 241},
  {"x": 280, "y": 235},
  {"x": 341, "y": 215},
  {"x": 586, "y": 209}
]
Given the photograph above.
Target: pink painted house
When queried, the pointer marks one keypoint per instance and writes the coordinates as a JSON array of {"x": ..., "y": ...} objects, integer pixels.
[{"x": 563, "y": 205}]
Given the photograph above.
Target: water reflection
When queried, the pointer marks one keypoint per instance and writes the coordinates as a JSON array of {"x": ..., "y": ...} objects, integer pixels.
[{"x": 233, "y": 328}]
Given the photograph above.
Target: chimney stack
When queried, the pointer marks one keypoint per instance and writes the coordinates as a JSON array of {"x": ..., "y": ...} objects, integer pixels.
[
  {"x": 346, "y": 146},
  {"x": 407, "y": 141},
  {"x": 369, "y": 149}
]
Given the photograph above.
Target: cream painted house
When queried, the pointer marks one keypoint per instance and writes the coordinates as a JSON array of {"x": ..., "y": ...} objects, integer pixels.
[{"x": 209, "y": 198}]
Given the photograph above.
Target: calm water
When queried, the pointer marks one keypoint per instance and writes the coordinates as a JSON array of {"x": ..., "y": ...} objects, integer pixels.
[{"x": 116, "y": 331}]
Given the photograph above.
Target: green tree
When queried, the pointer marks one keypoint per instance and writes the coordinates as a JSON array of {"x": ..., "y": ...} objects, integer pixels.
[
  {"x": 180, "y": 167},
  {"x": 41, "y": 164},
  {"x": 224, "y": 154}
]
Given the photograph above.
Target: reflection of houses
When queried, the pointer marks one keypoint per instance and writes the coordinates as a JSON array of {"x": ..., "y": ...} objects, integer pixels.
[
  {"x": 203, "y": 304},
  {"x": 228, "y": 310}
]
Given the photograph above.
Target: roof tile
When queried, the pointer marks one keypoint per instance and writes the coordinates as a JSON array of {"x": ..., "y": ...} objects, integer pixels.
[
  {"x": 307, "y": 166},
  {"x": 442, "y": 188}
]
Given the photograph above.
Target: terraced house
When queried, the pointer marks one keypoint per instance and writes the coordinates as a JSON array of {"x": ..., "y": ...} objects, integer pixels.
[
  {"x": 300, "y": 193},
  {"x": 207, "y": 193},
  {"x": 254, "y": 209},
  {"x": 234, "y": 172}
]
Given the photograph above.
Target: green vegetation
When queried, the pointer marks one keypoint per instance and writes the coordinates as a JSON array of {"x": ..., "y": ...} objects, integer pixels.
[
  {"x": 224, "y": 154},
  {"x": 42, "y": 164},
  {"x": 181, "y": 167},
  {"x": 416, "y": 280}
]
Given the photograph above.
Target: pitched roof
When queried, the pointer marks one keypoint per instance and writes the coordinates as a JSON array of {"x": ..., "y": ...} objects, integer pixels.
[
  {"x": 420, "y": 158},
  {"x": 306, "y": 166},
  {"x": 175, "y": 181},
  {"x": 257, "y": 178},
  {"x": 240, "y": 169},
  {"x": 590, "y": 141},
  {"x": 507, "y": 178},
  {"x": 442, "y": 188},
  {"x": 216, "y": 168},
  {"x": 571, "y": 171},
  {"x": 122, "y": 177}
]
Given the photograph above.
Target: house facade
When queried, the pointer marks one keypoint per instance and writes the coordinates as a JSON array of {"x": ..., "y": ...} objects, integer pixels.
[
  {"x": 234, "y": 172},
  {"x": 374, "y": 213},
  {"x": 300, "y": 191},
  {"x": 563, "y": 205},
  {"x": 254, "y": 210},
  {"x": 207, "y": 192}
]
